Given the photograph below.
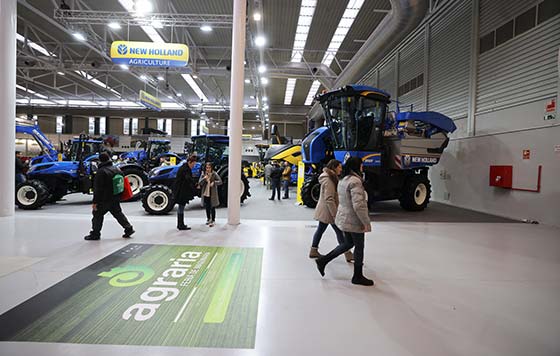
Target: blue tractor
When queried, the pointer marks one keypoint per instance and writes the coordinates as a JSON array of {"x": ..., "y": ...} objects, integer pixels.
[
  {"x": 136, "y": 164},
  {"x": 49, "y": 181},
  {"x": 158, "y": 196},
  {"x": 48, "y": 151},
  {"x": 397, "y": 150}
]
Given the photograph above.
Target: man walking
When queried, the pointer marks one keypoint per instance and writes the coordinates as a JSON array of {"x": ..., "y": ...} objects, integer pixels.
[
  {"x": 105, "y": 200},
  {"x": 275, "y": 177}
]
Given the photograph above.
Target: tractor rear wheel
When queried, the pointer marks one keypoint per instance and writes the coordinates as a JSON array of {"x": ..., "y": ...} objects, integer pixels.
[
  {"x": 310, "y": 191},
  {"x": 158, "y": 200},
  {"x": 416, "y": 193},
  {"x": 32, "y": 194},
  {"x": 223, "y": 189}
]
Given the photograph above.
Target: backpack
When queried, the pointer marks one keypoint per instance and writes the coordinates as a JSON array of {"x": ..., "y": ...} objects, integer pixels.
[{"x": 118, "y": 184}]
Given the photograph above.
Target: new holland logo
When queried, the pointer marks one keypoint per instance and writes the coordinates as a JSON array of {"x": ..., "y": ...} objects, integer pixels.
[
  {"x": 122, "y": 49},
  {"x": 346, "y": 156},
  {"x": 407, "y": 160}
]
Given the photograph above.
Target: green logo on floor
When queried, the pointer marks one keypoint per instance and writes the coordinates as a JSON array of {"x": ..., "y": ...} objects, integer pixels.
[{"x": 159, "y": 295}]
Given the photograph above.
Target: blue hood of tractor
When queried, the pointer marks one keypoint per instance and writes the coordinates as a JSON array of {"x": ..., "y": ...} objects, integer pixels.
[{"x": 430, "y": 117}]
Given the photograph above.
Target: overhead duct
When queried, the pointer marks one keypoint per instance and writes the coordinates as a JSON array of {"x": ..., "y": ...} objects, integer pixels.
[{"x": 404, "y": 17}]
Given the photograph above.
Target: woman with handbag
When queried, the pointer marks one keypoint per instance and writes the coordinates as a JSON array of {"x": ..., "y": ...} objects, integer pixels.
[
  {"x": 209, "y": 182},
  {"x": 352, "y": 218}
]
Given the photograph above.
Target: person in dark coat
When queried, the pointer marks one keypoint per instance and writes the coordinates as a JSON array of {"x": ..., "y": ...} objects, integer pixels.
[
  {"x": 275, "y": 178},
  {"x": 184, "y": 190},
  {"x": 20, "y": 176},
  {"x": 105, "y": 201}
]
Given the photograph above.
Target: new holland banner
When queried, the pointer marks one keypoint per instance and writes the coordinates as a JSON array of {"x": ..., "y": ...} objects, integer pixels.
[
  {"x": 149, "y": 101},
  {"x": 142, "y": 294},
  {"x": 149, "y": 54}
]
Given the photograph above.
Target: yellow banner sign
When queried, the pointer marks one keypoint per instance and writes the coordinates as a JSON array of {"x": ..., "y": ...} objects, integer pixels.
[
  {"x": 150, "y": 101},
  {"x": 149, "y": 54}
]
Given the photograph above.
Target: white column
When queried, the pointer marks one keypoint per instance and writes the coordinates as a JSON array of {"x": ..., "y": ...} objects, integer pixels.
[
  {"x": 236, "y": 116},
  {"x": 8, "y": 19}
]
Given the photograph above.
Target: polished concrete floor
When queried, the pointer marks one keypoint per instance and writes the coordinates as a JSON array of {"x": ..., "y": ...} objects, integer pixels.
[{"x": 453, "y": 283}]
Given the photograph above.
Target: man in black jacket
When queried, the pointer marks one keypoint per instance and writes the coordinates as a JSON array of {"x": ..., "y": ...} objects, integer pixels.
[
  {"x": 275, "y": 177},
  {"x": 105, "y": 201}
]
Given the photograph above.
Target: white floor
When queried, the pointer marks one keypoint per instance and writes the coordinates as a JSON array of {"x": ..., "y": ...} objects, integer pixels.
[{"x": 450, "y": 288}]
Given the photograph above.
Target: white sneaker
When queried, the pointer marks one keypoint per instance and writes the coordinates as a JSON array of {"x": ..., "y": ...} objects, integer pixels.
[
  {"x": 207, "y": 222},
  {"x": 211, "y": 223}
]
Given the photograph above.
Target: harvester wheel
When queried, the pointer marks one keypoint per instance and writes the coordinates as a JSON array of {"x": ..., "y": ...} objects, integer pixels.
[{"x": 416, "y": 193}]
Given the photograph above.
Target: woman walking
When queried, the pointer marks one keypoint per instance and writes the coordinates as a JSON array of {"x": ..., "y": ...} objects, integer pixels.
[
  {"x": 183, "y": 191},
  {"x": 352, "y": 217},
  {"x": 326, "y": 209},
  {"x": 209, "y": 182}
]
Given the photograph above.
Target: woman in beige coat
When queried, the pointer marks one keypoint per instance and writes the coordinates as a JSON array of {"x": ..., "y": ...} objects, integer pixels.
[
  {"x": 326, "y": 209},
  {"x": 352, "y": 218}
]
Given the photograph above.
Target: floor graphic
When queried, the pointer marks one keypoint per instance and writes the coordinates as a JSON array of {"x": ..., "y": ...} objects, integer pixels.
[{"x": 160, "y": 295}]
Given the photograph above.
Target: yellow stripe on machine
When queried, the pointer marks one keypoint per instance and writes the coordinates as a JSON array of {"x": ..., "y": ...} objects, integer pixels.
[{"x": 291, "y": 155}]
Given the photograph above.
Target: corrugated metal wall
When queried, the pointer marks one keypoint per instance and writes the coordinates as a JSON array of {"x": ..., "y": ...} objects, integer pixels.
[
  {"x": 450, "y": 48},
  {"x": 411, "y": 65},
  {"x": 387, "y": 77},
  {"x": 522, "y": 70},
  {"x": 494, "y": 13}
]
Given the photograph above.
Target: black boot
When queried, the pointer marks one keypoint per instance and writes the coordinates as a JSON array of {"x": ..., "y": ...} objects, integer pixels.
[
  {"x": 359, "y": 278},
  {"x": 181, "y": 222},
  {"x": 324, "y": 260}
]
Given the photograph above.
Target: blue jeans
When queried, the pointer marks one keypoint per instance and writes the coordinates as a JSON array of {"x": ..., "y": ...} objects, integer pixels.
[
  {"x": 351, "y": 239},
  {"x": 321, "y": 230},
  {"x": 286, "y": 184}
]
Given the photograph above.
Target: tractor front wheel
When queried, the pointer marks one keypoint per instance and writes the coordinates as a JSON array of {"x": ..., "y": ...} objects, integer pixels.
[
  {"x": 310, "y": 191},
  {"x": 31, "y": 195},
  {"x": 158, "y": 200}
]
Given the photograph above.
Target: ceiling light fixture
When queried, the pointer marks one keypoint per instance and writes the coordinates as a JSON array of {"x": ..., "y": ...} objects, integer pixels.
[
  {"x": 195, "y": 76},
  {"x": 262, "y": 68},
  {"x": 206, "y": 28},
  {"x": 260, "y": 41},
  {"x": 305, "y": 18},
  {"x": 264, "y": 81},
  {"x": 79, "y": 36},
  {"x": 157, "y": 24},
  {"x": 35, "y": 46},
  {"x": 257, "y": 16},
  {"x": 160, "y": 78},
  {"x": 143, "y": 77},
  {"x": 194, "y": 86},
  {"x": 265, "y": 99},
  {"x": 124, "y": 66},
  {"x": 115, "y": 25},
  {"x": 60, "y": 73},
  {"x": 142, "y": 7},
  {"x": 350, "y": 14},
  {"x": 247, "y": 81},
  {"x": 179, "y": 94}
]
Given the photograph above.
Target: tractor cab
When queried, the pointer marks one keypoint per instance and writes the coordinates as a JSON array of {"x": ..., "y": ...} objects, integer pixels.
[
  {"x": 355, "y": 115},
  {"x": 157, "y": 148},
  {"x": 83, "y": 149},
  {"x": 211, "y": 148}
]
